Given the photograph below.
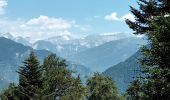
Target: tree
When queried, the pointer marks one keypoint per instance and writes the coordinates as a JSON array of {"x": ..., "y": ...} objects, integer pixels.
[
  {"x": 156, "y": 60},
  {"x": 57, "y": 78},
  {"x": 153, "y": 20},
  {"x": 50, "y": 81},
  {"x": 101, "y": 88},
  {"x": 76, "y": 92},
  {"x": 30, "y": 81},
  {"x": 11, "y": 93},
  {"x": 149, "y": 9},
  {"x": 134, "y": 91}
]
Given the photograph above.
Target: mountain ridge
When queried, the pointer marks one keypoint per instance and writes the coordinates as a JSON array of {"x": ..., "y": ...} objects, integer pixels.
[
  {"x": 125, "y": 72},
  {"x": 109, "y": 54}
]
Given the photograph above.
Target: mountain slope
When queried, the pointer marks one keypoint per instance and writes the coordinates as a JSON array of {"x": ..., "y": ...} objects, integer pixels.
[
  {"x": 124, "y": 72},
  {"x": 102, "y": 57},
  {"x": 12, "y": 54}
]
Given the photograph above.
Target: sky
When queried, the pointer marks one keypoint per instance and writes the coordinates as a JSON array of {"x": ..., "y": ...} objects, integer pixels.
[{"x": 41, "y": 19}]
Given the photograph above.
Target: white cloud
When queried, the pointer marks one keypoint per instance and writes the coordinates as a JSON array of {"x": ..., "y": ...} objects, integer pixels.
[
  {"x": 39, "y": 28},
  {"x": 3, "y": 4},
  {"x": 128, "y": 16},
  {"x": 120, "y": 35},
  {"x": 113, "y": 17},
  {"x": 46, "y": 23}
]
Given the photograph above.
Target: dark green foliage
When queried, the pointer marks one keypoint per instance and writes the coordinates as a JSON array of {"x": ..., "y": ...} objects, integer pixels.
[
  {"x": 149, "y": 9},
  {"x": 156, "y": 60},
  {"x": 50, "y": 81},
  {"x": 101, "y": 88},
  {"x": 134, "y": 91},
  {"x": 155, "y": 81},
  {"x": 57, "y": 78},
  {"x": 30, "y": 81},
  {"x": 58, "y": 81},
  {"x": 11, "y": 93},
  {"x": 76, "y": 92}
]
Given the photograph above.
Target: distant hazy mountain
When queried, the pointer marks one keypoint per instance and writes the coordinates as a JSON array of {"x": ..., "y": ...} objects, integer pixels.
[
  {"x": 81, "y": 49},
  {"x": 102, "y": 57},
  {"x": 124, "y": 72},
  {"x": 67, "y": 46},
  {"x": 24, "y": 41},
  {"x": 96, "y": 52},
  {"x": 12, "y": 54},
  {"x": 80, "y": 70}
]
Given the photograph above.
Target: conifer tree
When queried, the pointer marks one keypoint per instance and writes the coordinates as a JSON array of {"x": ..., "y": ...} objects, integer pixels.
[
  {"x": 11, "y": 93},
  {"x": 30, "y": 81},
  {"x": 156, "y": 61},
  {"x": 57, "y": 78},
  {"x": 148, "y": 10},
  {"x": 153, "y": 20}
]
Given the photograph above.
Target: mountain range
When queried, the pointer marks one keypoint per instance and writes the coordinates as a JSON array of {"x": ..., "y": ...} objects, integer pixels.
[
  {"x": 67, "y": 46},
  {"x": 111, "y": 53},
  {"x": 97, "y": 52}
]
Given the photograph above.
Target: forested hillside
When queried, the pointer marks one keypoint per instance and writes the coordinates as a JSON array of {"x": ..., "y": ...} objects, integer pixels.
[{"x": 124, "y": 72}]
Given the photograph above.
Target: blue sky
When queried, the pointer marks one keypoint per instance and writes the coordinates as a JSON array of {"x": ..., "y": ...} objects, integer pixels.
[{"x": 77, "y": 17}]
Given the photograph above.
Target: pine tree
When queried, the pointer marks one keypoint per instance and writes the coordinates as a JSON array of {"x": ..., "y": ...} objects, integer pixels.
[
  {"x": 101, "y": 88},
  {"x": 30, "y": 81},
  {"x": 11, "y": 93},
  {"x": 156, "y": 60},
  {"x": 149, "y": 9},
  {"x": 153, "y": 20},
  {"x": 57, "y": 78}
]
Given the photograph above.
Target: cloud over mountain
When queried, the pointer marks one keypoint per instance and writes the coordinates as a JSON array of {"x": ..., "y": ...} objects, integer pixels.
[{"x": 42, "y": 27}]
